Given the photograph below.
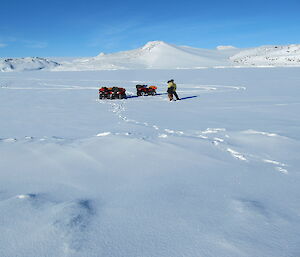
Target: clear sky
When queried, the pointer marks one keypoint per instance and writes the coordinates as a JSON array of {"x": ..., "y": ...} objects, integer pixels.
[{"x": 88, "y": 27}]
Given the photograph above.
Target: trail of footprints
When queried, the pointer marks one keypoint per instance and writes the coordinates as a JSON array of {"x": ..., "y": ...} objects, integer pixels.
[
  {"x": 223, "y": 145},
  {"x": 33, "y": 139},
  {"x": 217, "y": 136}
]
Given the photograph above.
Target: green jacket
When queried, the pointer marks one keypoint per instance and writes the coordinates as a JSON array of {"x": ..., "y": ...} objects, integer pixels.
[{"x": 172, "y": 84}]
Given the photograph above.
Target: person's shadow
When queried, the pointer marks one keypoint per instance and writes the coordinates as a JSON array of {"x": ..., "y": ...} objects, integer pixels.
[
  {"x": 183, "y": 98},
  {"x": 134, "y": 96},
  {"x": 188, "y": 97},
  {"x": 131, "y": 96}
]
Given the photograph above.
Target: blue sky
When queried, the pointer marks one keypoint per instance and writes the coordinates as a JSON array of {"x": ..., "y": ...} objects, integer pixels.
[{"x": 86, "y": 28}]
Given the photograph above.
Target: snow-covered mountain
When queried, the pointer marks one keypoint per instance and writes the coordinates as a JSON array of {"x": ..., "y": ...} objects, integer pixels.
[
  {"x": 25, "y": 64},
  {"x": 155, "y": 55},
  {"x": 269, "y": 55},
  {"x": 162, "y": 55}
]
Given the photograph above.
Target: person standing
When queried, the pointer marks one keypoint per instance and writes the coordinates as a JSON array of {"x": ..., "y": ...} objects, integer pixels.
[{"x": 172, "y": 90}]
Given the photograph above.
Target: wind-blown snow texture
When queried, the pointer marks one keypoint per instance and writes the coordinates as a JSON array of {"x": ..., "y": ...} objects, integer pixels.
[
  {"x": 161, "y": 55},
  {"x": 215, "y": 174}
]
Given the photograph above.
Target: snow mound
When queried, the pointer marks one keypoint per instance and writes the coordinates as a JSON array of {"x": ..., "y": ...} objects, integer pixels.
[
  {"x": 26, "y": 64},
  {"x": 269, "y": 55}
]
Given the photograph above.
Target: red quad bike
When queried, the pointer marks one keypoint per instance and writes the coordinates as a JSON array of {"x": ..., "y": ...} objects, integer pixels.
[
  {"x": 112, "y": 93},
  {"x": 104, "y": 93},
  {"x": 118, "y": 93},
  {"x": 145, "y": 90}
]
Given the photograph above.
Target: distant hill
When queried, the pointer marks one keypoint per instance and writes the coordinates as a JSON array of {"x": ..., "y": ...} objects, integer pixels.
[
  {"x": 269, "y": 55},
  {"x": 155, "y": 55},
  {"x": 26, "y": 64},
  {"x": 162, "y": 55}
]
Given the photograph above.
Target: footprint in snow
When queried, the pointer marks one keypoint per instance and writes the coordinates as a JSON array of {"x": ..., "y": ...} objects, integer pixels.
[
  {"x": 37, "y": 201},
  {"x": 201, "y": 136},
  {"x": 103, "y": 134},
  {"x": 263, "y": 133},
  {"x": 282, "y": 170},
  {"x": 27, "y": 196},
  {"x": 72, "y": 219},
  {"x": 8, "y": 140},
  {"x": 219, "y": 139},
  {"x": 163, "y": 136},
  {"x": 236, "y": 154},
  {"x": 170, "y": 131},
  {"x": 250, "y": 208},
  {"x": 279, "y": 166},
  {"x": 213, "y": 130}
]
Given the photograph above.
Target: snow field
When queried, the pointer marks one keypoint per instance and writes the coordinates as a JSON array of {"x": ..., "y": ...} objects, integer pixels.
[{"x": 215, "y": 174}]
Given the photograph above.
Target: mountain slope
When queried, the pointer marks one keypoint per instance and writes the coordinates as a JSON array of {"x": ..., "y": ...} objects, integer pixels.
[
  {"x": 26, "y": 64},
  {"x": 154, "y": 55},
  {"x": 161, "y": 55},
  {"x": 269, "y": 55}
]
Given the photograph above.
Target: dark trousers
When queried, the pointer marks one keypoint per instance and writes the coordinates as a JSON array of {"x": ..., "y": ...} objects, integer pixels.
[{"x": 175, "y": 94}]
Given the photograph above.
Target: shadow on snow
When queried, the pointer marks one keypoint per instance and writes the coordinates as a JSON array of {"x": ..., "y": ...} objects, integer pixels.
[
  {"x": 188, "y": 97},
  {"x": 183, "y": 98}
]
